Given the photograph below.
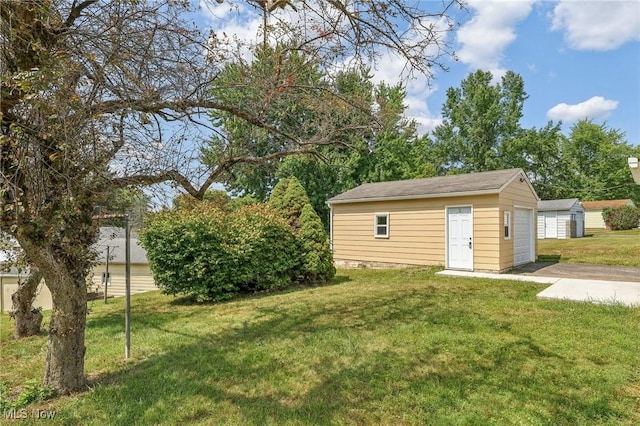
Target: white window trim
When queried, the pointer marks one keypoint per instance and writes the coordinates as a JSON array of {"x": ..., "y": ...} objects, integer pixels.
[
  {"x": 375, "y": 225},
  {"x": 507, "y": 224}
]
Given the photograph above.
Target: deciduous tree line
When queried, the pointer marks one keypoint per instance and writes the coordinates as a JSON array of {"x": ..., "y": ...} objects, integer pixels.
[{"x": 481, "y": 131}]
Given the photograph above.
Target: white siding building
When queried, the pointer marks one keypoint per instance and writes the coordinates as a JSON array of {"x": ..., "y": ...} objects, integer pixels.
[{"x": 560, "y": 219}]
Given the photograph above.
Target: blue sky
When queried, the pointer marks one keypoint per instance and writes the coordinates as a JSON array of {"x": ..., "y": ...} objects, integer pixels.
[{"x": 578, "y": 58}]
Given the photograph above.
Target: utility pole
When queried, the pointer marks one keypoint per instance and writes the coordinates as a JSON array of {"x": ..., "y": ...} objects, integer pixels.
[
  {"x": 127, "y": 289},
  {"x": 127, "y": 282},
  {"x": 106, "y": 277}
]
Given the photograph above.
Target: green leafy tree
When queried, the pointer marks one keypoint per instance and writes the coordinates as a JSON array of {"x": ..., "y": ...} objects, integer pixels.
[
  {"x": 537, "y": 152},
  {"x": 98, "y": 96},
  {"x": 480, "y": 118},
  {"x": 392, "y": 151},
  {"x": 208, "y": 253},
  {"x": 621, "y": 218},
  {"x": 286, "y": 89},
  {"x": 595, "y": 159}
]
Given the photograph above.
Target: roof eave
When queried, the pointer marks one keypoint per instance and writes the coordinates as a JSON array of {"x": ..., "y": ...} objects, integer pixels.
[{"x": 415, "y": 197}]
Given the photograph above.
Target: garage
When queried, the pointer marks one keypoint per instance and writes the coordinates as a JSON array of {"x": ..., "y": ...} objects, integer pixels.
[{"x": 474, "y": 222}]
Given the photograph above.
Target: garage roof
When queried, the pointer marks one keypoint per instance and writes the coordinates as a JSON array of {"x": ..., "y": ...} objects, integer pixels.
[
  {"x": 599, "y": 205},
  {"x": 115, "y": 239},
  {"x": 560, "y": 205},
  {"x": 441, "y": 186}
]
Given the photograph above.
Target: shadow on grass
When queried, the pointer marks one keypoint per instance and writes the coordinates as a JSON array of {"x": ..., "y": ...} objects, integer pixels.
[
  {"x": 322, "y": 364},
  {"x": 548, "y": 258},
  {"x": 188, "y": 300}
]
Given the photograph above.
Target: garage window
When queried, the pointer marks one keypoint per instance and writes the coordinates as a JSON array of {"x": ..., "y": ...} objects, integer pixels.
[
  {"x": 507, "y": 225},
  {"x": 381, "y": 225}
]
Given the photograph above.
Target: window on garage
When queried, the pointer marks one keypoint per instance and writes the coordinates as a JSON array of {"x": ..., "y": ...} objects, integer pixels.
[{"x": 381, "y": 225}]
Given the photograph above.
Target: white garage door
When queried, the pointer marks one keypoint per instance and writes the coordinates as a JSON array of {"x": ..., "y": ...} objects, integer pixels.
[{"x": 523, "y": 236}]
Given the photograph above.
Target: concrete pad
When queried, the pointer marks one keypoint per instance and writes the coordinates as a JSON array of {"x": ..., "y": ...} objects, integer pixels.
[
  {"x": 529, "y": 278},
  {"x": 582, "y": 290},
  {"x": 609, "y": 292}
]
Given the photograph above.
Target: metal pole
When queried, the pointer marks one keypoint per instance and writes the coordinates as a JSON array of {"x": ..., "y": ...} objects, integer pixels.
[
  {"x": 127, "y": 288},
  {"x": 106, "y": 277},
  {"x": 1, "y": 292}
]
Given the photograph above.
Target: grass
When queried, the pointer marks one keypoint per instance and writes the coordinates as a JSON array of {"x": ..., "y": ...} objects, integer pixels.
[
  {"x": 375, "y": 347},
  {"x": 600, "y": 247}
]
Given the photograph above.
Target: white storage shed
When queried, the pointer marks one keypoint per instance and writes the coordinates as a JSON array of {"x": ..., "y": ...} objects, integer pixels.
[{"x": 560, "y": 219}]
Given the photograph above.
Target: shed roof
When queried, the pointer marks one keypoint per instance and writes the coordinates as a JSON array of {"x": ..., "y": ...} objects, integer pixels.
[
  {"x": 559, "y": 205},
  {"x": 602, "y": 204},
  {"x": 114, "y": 238},
  {"x": 441, "y": 186}
]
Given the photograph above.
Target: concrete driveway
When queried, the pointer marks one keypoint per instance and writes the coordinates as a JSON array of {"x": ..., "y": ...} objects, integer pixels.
[
  {"x": 580, "y": 271},
  {"x": 572, "y": 281}
]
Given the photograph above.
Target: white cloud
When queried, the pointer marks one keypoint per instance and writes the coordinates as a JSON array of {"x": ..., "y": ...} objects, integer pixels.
[
  {"x": 236, "y": 21},
  {"x": 596, "y": 107},
  {"x": 597, "y": 25},
  {"x": 485, "y": 37}
]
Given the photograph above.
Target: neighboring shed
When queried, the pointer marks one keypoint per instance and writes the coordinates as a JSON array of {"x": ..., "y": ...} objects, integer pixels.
[
  {"x": 560, "y": 219},
  {"x": 114, "y": 240},
  {"x": 593, "y": 211},
  {"x": 478, "y": 221}
]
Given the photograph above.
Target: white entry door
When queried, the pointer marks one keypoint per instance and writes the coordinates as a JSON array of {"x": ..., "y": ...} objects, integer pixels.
[
  {"x": 550, "y": 225},
  {"x": 459, "y": 238}
]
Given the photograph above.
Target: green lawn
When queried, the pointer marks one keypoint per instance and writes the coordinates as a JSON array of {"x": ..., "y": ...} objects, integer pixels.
[
  {"x": 599, "y": 247},
  {"x": 375, "y": 347}
]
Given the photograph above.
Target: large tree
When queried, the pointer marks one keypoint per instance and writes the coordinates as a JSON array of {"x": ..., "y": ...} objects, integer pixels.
[
  {"x": 368, "y": 141},
  {"x": 537, "y": 152},
  {"x": 480, "y": 117},
  {"x": 594, "y": 157},
  {"x": 95, "y": 96}
]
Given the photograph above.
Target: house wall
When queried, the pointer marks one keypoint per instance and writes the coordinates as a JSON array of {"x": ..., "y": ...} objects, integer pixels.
[
  {"x": 417, "y": 232},
  {"x": 593, "y": 219},
  {"x": 9, "y": 285},
  {"x": 141, "y": 279},
  {"x": 516, "y": 195}
]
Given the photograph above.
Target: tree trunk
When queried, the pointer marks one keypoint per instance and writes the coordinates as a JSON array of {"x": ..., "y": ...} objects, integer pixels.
[
  {"x": 64, "y": 368},
  {"x": 28, "y": 319},
  {"x": 65, "y": 276}
]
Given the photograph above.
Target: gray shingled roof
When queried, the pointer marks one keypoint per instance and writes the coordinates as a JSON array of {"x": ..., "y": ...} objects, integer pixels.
[
  {"x": 115, "y": 239},
  {"x": 559, "y": 205},
  {"x": 440, "y": 186}
]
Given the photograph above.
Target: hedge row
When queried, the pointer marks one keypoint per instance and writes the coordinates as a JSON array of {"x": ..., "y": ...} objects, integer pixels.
[
  {"x": 209, "y": 252},
  {"x": 621, "y": 218}
]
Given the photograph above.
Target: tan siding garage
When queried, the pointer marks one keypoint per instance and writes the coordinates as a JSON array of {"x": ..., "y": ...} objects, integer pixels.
[{"x": 455, "y": 221}]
